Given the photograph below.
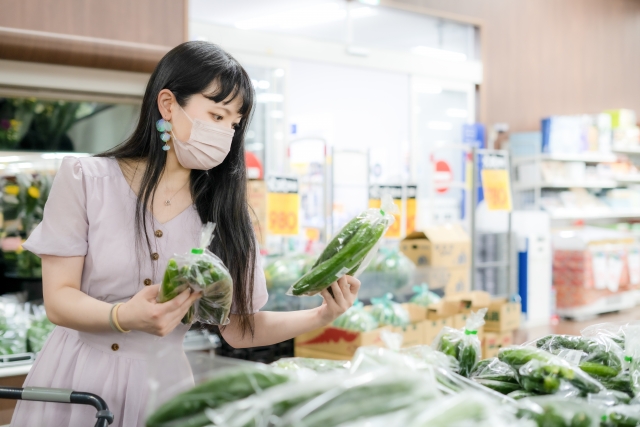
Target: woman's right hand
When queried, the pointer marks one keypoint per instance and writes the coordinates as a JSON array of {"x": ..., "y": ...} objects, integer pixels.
[{"x": 143, "y": 313}]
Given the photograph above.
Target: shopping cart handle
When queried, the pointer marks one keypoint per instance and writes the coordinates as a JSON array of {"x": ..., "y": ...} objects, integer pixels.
[{"x": 104, "y": 415}]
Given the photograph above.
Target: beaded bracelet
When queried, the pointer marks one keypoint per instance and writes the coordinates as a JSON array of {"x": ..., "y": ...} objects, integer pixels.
[{"x": 114, "y": 318}]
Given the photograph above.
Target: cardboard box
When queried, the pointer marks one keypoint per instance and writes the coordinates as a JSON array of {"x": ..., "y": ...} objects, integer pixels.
[
  {"x": 417, "y": 313},
  {"x": 339, "y": 341},
  {"x": 442, "y": 309},
  {"x": 305, "y": 352},
  {"x": 443, "y": 246},
  {"x": 257, "y": 200},
  {"x": 433, "y": 327},
  {"x": 470, "y": 301},
  {"x": 411, "y": 335},
  {"x": 492, "y": 342},
  {"x": 453, "y": 280},
  {"x": 503, "y": 316}
]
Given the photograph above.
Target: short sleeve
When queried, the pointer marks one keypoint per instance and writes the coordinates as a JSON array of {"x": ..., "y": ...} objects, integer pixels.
[
  {"x": 260, "y": 294},
  {"x": 64, "y": 227}
]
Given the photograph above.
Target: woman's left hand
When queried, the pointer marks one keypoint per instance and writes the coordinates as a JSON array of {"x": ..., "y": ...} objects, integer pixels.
[{"x": 345, "y": 292}]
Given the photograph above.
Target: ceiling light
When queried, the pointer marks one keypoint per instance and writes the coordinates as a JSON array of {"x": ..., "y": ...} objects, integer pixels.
[
  {"x": 277, "y": 114},
  {"x": 263, "y": 84},
  {"x": 297, "y": 18},
  {"x": 439, "y": 53},
  {"x": 457, "y": 112},
  {"x": 254, "y": 83},
  {"x": 429, "y": 88},
  {"x": 269, "y": 97},
  {"x": 437, "y": 125},
  {"x": 278, "y": 72}
]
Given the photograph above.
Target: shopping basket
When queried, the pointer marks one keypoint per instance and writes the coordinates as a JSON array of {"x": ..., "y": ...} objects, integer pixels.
[{"x": 59, "y": 395}]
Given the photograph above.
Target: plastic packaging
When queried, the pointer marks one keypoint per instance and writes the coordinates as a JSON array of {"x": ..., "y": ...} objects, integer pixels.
[
  {"x": 204, "y": 272},
  {"x": 317, "y": 365},
  {"x": 623, "y": 416},
  {"x": 282, "y": 271},
  {"x": 391, "y": 268},
  {"x": 357, "y": 319},
  {"x": 632, "y": 356},
  {"x": 40, "y": 327},
  {"x": 388, "y": 312},
  {"x": 560, "y": 412},
  {"x": 14, "y": 322},
  {"x": 349, "y": 252},
  {"x": 463, "y": 344},
  {"x": 423, "y": 296},
  {"x": 494, "y": 369}
]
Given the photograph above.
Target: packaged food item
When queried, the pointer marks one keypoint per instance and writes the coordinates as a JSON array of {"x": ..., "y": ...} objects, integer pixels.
[
  {"x": 391, "y": 266},
  {"x": 423, "y": 296},
  {"x": 496, "y": 375},
  {"x": 357, "y": 319},
  {"x": 623, "y": 416},
  {"x": 388, "y": 312},
  {"x": 463, "y": 344},
  {"x": 548, "y": 411},
  {"x": 40, "y": 327},
  {"x": 349, "y": 252},
  {"x": 14, "y": 323},
  {"x": 204, "y": 272},
  {"x": 188, "y": 408},
  {"x": 283, "y": 271},
  {"x": 318, "y": 365}
]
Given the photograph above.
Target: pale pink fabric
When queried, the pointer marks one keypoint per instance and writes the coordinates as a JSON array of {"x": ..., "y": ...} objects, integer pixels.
[{"x": 90, "y": 213}]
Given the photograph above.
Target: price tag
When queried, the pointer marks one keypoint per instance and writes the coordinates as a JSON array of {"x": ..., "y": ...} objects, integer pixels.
[
  {"x": 497, "y": 190},
  {"x": 282, "y": 214}
]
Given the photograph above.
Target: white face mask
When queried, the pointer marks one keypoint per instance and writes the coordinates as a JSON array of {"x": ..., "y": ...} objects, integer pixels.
[{"x": 207, "y": 146}]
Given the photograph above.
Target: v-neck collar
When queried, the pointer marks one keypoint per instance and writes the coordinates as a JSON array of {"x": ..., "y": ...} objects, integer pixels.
[{"x": 135, "y": 196}]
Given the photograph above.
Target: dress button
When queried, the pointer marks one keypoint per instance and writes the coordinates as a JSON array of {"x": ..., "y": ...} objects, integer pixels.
[
  {"x": 159, "y": 233},
  {"x": 115, "y": 347},
  {"x": 155, "y": 256},
  {"x": 147, "y": 282}
]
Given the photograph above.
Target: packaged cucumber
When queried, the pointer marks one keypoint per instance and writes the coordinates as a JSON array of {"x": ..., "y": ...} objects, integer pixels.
[
  {"x": 623, "y": 416},
  {"x": 423, "y": 296},
  {"x": 356, "y": 319},
  {"x": 388, "y": 312},
  {"x": 349, "y": 252},
  {"x": 463, "y": 344},
  {"x": 494, "y": 369},
  {"x": 548, "y": 411},
  {"x": 632, "y": 356},
  {"x": 204, "y": 272},
  {"x": 318, "y": 365}
]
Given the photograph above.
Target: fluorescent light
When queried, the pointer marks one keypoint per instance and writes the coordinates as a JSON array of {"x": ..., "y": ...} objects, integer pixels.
[
  {"x": 269, "y": 97},
  {"x": 436, "y": 125},
  {"x": 457, "y": 112},
  {"x": 370, "y": 2},
  {"x": 429, "y": 88},
  {"x": 439, "y": 53},
  {"x": 25, "y": 165},
  {"x": 263, "y": 84},
  {"x": 278, "y": 136},
  {"x": 297, "y": 18},
  {"x": 278, "y": 72},
  {"x": 9, "y": 159},
  {"x": 254, "y": 83},
  {"x": 277, "y": 114}
]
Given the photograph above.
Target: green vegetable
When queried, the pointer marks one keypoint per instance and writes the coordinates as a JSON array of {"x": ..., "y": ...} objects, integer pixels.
[
  {"x": 468, "y": 358},
  {"x": 226, "y": 387},
  {"x": 283, "y": 271},
  {"x": 387, "y": 312},
  {"x": 624, "y": 416},
  {"x": 341, "y": 239},
  {"x": 599, "y": 371},
  {"x": 325, "y": 273},
  {"x": 356, "y": 318},
  {"x": 494, "y": 369},
  {"x": 621, "y": 383},
  {"x": 423, "y": 296},
  {"x": 520, "y": 394},
  {"x": 499, "y": 386},
  {"x": 318, "y": 365}
]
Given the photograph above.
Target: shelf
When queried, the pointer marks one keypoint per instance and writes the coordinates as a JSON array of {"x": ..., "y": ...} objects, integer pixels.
[
  {"x": 633, "y": 151},
  {"x": 596, "y": 213},
  {"x": 14, "y": 371},
  {"x": 629, "y": 179},
  {"x": 587, "y": 157},
  {"x": 615, "y": 302},
  {"x": 587, "y": 184}
]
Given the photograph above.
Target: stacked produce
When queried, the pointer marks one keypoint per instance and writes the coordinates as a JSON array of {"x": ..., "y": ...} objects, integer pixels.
[
  {"x": 357, "y": 319},
  {"x": 204, "y": 272},
  {"x": 283, "y": 271},
  {"x": 388, "y": 312},
  {"x": 389, "y": 271},
  {"x": 349, "y": 252},
  {"x": 463, "y": 345},
  {"x": 423, "y": 296}
]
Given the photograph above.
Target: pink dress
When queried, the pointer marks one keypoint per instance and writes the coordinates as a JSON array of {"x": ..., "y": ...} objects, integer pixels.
[{"x": 90, "y": 213}]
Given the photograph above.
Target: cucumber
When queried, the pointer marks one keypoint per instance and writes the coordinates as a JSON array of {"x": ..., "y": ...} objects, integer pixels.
[
  {"x": 341, "y": 239},
  {"x": 499, "y": 386},
  {"x": 468, "y": 359},
  {"x": 598, "y": 371},
  {"x": 226, "y": 387},
  {"x": 620, "y": 383},
  {"x": 327, "y": 272},
  {"x": 520, "y": 394}
]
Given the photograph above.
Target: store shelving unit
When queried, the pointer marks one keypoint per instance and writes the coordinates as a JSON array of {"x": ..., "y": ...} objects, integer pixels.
[{"x": 617, "y": 302}]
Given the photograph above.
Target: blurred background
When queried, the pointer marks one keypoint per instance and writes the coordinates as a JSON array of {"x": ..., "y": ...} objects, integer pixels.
[{"x": 505, "y": 132}]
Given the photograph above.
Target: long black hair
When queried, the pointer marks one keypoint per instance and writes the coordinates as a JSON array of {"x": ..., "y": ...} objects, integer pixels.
[{"x": 219, "y": 194}]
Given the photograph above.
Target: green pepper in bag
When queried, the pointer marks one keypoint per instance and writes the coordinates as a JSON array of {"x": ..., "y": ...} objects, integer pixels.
[
  {"x": 349, "y": 252},
  {"x": 388, "y": 312},
  {"x": 423, "y": 296},
  {"x": 204, "y": 272}
]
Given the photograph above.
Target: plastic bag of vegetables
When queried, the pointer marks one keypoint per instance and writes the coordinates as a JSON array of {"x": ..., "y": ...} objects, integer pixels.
[
  {"x": 599, "y": 356},
  {"x": 317, "y": 365},
  {"x": 388, "y": 312},
  {"x": 463, "y": 344},
  {"x": 391, "y": 267},
  {"x": 632, "y": 356},
  {"x": 40, "y": 327},
  {"x": 423, "y": 296},
  {"x": 14, "y": 323},
  {"x": 496, "y": 375},
  {"x": 188, "y": 408},
  {"x": 349, "y": 252},
  {"x": 356, "y": 318},
  {"x": 623, "y": 416},
  {"x": 283, "y": 271},
  {"x": 544, "y": 373},
  {"x": 204, "y": 272},
  {"x": 547, "y": 411}
]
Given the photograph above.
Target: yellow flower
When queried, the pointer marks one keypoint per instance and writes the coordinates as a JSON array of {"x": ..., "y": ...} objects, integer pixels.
[
  {"x": 20, "y": 248},
  {"x": 15, "y": 124},
  {"x": 12, "y": 190},
  {"x": 34, "y": 192}
]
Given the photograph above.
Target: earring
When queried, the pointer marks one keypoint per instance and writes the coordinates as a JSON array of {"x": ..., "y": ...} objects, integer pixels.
[{"x": 164, "y": 127}]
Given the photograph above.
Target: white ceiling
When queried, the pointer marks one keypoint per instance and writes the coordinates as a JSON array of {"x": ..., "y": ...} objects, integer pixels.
[{"x": 373, "y": 26}]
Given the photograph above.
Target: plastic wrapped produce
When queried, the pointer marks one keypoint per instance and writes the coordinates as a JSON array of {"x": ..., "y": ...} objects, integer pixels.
[
  {"x": 632, "y": 356},
  {"x": 329, "y": 400},
  {"x": 283, "y": 271},
  {"x": 463, "y": 344},
  {"x": 357, "y": 319},
  {"x": 423, "y": 296},
  {"x": 544, "y": 373},
  {"x": 204, "y": 272},
  {"x": 599, "y": 356},
  {"x": 388, "y": 312},
  {"x": 188, "y": 408},
  {"x": 548, "y": 411},
  {"x": 349, "y": 252},
  {"x": 40, "y": 327},
  {"x": 623, "y": 416},
  {"x": 609, "y": 398},
  {"x": 317, "y": 365},
  {"x": 391, "y": 267},
  {"x": 496, "y": 375},
  {"x": 14, "y": 322}
]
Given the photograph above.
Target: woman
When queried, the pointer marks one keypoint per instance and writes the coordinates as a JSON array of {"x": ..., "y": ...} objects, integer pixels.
[{"x": 112, "y": 222}]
